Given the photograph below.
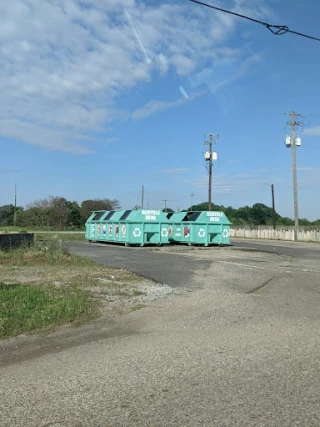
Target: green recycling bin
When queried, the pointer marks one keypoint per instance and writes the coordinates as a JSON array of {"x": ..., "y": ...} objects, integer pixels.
[
  {"x": 200, "y": 228},
  {"x": 93, "y": 225},
  {"x": 141, "y": 227},
  {"x": 129, "y": 227}
]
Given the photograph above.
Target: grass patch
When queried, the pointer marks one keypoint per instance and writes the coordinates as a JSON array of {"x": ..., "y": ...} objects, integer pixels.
[
  {"x": 25, "y": 308},
  {"x": 50, "y": 252},
  {"x": 65, "y": 236},
  {"x": 44, "y": 286},
  {"x": 11, "y": 229}
]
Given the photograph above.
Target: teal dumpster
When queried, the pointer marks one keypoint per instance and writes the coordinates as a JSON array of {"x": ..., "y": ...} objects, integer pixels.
[
  {"x": 200, "y": 228},
  {"x": 141, "y": 227},
  {"x": 130, "y": 227},
  {"x": 93, "y": 225},
  {"x": 110, "y": 226}
]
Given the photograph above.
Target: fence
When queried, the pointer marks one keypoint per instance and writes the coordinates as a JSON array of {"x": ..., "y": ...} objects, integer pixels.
[{"x": 305, "y": 234}]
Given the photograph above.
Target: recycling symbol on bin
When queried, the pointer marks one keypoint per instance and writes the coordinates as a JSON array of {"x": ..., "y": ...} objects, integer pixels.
[
  {"x": 137, "y": 232},
  {"x": 164, "y": 232},
  {"x": 201, "y": 232},
  {"x": 225, "y": 233}
]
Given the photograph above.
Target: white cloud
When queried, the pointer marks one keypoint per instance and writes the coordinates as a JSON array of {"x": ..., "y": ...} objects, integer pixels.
[
  {"x": 315, "y": 131},
  {"x": 175, "y": 171},
  {"x": 183, "y": 92},
  {"x": 154, "y": 106},
  {"x": 64, "y": 63}
]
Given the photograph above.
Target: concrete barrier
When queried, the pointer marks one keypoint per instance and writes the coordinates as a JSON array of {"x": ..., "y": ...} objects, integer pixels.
[
  {"x": 15, "y": 240},
  {"x": 305, "y": 234}
]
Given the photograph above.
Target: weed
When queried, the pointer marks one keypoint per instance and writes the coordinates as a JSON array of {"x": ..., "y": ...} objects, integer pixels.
[{"x": 25, "y": 308}]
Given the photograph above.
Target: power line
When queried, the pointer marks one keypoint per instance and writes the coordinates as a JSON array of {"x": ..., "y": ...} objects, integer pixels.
[{"x": 277, "y": 30}]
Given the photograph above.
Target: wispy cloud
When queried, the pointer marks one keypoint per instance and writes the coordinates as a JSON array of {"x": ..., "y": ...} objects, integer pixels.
[
  {"x": 183, "y": 92},
  {"x": 175, "y": 171},
  {"x": 315, "y": 131},
  {"x": 65, "y": 63},
  {"x": 154, "y": 106},
  {"x": 7, "y": 171}
]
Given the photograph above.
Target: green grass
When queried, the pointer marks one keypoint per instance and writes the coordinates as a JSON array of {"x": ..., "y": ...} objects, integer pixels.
[
  {"x": 65, "y": 236},
  {"x": 44, "y": 286},
  {"x": 9, "y": 229},
  {"x": 50, "y": 252},
  {"x": 25, "y": 308}
]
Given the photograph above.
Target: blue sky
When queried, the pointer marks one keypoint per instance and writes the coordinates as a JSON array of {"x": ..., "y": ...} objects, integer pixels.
[{"x": 102, "y": 97}]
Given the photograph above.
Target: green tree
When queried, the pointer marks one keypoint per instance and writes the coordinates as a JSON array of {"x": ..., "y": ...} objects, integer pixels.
[
  {"x": 74, "y": 215},
  {"x": 88, "y": 206},
  {"x": 58, "y": 212},
  {"x": 6, "y": 215}
]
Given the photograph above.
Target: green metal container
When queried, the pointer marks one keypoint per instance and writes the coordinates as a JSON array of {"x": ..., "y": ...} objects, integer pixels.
[
  {"x": 130, "y": 227},
  {"x": 200, "y": 228},
  {"x": 93, "y": 225}
]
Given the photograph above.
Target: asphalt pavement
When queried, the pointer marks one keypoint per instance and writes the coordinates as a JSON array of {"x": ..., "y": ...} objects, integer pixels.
[
  {"x": 149, "y": 262},
  {"x": 237, "y": 346}
]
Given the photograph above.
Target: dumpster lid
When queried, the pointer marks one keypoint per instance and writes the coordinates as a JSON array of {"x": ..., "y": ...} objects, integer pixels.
[
  {"x": 191, "y": 216},
  {"x": 98, "y": 215},
  {"x": 125, "y": 215},
  {"x": 108, "y": 216}
]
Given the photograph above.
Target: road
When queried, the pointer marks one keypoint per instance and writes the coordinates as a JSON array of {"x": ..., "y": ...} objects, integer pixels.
[{"x": 238, "y": 345}]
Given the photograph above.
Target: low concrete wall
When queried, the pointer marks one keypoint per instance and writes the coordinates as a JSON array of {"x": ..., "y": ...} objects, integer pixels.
[
  {"x": 305, "y": 234},
  {"x": 14, "y": 240}
]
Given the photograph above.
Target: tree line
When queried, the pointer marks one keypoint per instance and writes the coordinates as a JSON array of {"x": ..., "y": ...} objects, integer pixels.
[
  {"x": 258, "y": 214},
  {"x": 59, "y": 213},
  {"x": 54, "y": 213}
]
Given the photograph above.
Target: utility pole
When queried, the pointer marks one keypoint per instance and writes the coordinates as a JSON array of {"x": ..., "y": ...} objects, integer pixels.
[
  {"x": 210, "y": 174},
  {"x": 273, "y": 207},
  {"x": 209, "y": 157},
  {"x": 142, "y": 197},
  {"x": 293, "y": 123},
  {"x": 165, "y": 204},
  {"x": 15, "y": 204},
  {"x": 191, "y": 197},
  {"x": 274, "y": 219}
]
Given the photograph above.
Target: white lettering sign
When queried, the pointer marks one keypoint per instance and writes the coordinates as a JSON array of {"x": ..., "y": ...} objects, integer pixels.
[
  {"x": 214, "y": 213},
  {"x": 150, "y": 217},
  {"x": 149, "y": 212}
]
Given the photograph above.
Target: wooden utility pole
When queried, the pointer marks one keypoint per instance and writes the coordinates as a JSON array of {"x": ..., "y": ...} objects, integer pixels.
[
  {"x": 191, "y": 197},
  {"x": 15, "y": 205},
  {"x": 293, "y": 123},
  {"x": 273, "y": 207},
  {"x": 165, "y": 204},
  {"x": 142, "y": 197},
  {"x": 210, "y": 174},
  {"x": 209, "y": 157}
]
